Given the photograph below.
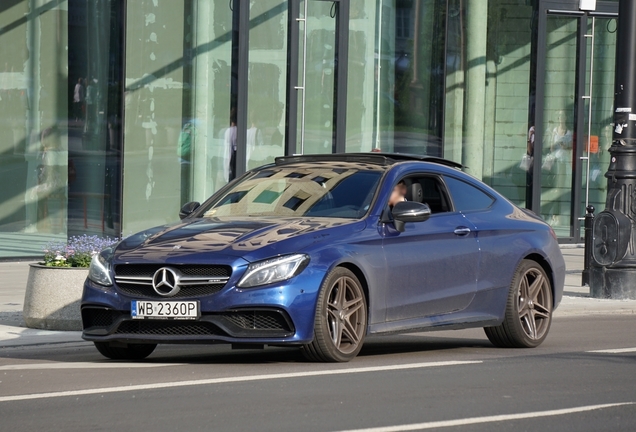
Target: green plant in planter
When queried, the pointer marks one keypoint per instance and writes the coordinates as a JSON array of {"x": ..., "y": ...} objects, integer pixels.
[{"x": 76, "y": 252}]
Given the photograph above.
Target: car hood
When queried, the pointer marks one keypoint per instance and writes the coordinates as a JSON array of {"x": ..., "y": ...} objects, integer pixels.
[{"x": 250, "y": 238}]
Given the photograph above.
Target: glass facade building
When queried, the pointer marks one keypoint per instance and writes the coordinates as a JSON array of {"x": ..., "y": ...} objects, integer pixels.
[{"x": 114, "y": 113}]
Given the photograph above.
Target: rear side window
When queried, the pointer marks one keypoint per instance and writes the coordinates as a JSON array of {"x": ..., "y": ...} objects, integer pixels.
[{"x": 467, "y": 197}]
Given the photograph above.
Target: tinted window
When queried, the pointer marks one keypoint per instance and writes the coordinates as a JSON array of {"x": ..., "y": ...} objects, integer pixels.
[
  {"x": 467, "y": 197},
  {"x": 316, "y": 190},
  {"x": 428, "y": 190},
  {"x": 433, "y": 194}
]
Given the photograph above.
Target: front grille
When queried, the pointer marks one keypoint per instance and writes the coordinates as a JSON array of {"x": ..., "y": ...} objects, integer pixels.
[
  {"x": 95, "y": 317},
  {"x": 148, "y": 270},
  {"x": 135, "y": 280},
  {"x": 168, "y": 328},
  {"x": 259, "y": 320}
]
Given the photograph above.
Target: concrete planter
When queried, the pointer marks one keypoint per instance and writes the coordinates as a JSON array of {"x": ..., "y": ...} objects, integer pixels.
[{"x": 52, "y": 298}]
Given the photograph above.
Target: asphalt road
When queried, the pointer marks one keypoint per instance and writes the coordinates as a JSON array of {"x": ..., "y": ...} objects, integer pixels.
[{"x": 453, "y": 381}]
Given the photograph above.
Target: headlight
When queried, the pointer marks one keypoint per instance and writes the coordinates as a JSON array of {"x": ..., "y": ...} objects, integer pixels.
[
  {"x": 273, "y": 270},
  {"x": 99, "y": 271}
]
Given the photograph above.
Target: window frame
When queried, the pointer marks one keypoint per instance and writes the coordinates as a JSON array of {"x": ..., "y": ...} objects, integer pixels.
[{"x": 443, "y": 190}]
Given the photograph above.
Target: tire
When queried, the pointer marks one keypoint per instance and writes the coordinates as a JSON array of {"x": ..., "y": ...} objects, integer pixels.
[
  {"x": 127, "y": 352},
  {"x": 341, "y": 319},
  {"x": 528, "y": 309}
]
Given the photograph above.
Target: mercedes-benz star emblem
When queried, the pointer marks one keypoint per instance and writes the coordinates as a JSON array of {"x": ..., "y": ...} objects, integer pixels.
[{"x": 166, "y": 282}]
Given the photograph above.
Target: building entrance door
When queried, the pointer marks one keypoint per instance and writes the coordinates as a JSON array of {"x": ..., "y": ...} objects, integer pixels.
[
  {"x": 574, "y": 115},
  {"x": 318, "y": 76}
]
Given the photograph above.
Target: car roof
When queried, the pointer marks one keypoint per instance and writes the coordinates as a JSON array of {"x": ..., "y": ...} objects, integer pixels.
[{"x": 380, "y": 159}]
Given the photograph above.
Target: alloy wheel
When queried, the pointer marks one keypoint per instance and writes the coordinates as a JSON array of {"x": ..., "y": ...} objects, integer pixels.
[
  {"x": 534, "y": 304},
  {"x": 346, "y": 314}
]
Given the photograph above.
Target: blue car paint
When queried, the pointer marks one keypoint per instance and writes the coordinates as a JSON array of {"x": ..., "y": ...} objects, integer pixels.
[{"x": 500, "y": 238}]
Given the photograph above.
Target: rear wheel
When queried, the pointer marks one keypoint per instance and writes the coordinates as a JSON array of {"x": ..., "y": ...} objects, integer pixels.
[
  {"x": 125, "y": 352},
  {"x": 528, "y": 311},
  {"x": 341, "y": 319}
]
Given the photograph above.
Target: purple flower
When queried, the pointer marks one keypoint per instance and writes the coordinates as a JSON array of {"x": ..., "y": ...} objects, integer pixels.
[{"x": 77, "y": 251}]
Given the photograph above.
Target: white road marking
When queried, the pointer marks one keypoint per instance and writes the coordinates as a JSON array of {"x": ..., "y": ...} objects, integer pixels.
[
  {"x": 614, "y": 351},
  {"x": 488, "y": 419},
  {"x": 232, "y": 380},
  {"x": 83, "y": 365}
]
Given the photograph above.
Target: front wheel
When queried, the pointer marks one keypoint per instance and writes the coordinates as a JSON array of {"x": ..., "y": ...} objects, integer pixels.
[
  {"x": 341, "y": 319},
  {"x": 125, "y": 352},
  {"x": 528, "y": 310}
]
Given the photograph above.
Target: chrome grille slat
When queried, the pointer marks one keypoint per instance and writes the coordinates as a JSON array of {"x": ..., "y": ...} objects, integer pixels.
[
  {"x": 208, "y": 281},
  {"x": 135, "y": 282}
]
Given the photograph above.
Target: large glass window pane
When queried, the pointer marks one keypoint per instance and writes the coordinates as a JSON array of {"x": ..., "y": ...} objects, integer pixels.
[
  {"x": 179, "y": 120},
  {"x": 319, "y": 78},
  {"x": 59, "y": 140},
  {"x": 94, "y": 134},
  {"x": 559, "y": 120},
  {"x": 362, "y": 83},
  {"x": 267, "y": 81},
  {"x": 33, "y": 130},
  {"x": 409, "y": 83},
  {"x": 600, "y": 138},
  {"x": 488, "y": 67}
]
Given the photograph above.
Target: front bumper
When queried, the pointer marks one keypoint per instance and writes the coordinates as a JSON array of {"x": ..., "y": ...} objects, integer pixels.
[
  {"x": 275, "y": 314},
  {"x": 230, "y": 326}
]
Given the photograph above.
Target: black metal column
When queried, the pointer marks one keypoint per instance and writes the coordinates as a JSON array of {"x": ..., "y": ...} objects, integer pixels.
[
  {"x": 291, "y": 111},
  {"x": 625, "y": 82},
  {"x": 341, "y": 72},
  {"x": 587, "y": 257},
  {"x": 613, "y": 274},
  {"x": 243, "y": 10},
  {"x": 542, "y": 25}
]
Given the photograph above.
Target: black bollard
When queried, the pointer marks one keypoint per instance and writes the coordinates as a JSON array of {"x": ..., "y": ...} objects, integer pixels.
[{"x": 587, "y": 257}]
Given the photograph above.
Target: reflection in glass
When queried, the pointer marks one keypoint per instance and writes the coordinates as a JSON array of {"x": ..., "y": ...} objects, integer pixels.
[
  {"x": 410, "y": 76},
  {"x": 319, "y": 78},
  {"x": 59, "y": 139},
  {"x": 95, "y": 138},
  {"x": 313, "y": 191},
  {"x": 267, "y": 85},
  {"x": 363, "y": 108},
  {"x": 178, "y": 107},
  {"x": 602, "y": 113},
  {"x": 559, "y": 114},
  {"x": 488, "y": 108}
]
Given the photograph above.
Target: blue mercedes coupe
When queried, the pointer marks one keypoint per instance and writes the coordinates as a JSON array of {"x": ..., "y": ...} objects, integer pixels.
[{"x": 319, "y": 251}]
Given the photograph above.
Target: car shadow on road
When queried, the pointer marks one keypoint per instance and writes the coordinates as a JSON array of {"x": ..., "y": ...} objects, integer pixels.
[
  {"x": 224, "y": 354},
  {"x": 387, "y": 345}
]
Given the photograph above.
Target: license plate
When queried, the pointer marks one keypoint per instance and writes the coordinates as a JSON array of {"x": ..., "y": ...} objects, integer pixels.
[{"x": 183, "y": 310}]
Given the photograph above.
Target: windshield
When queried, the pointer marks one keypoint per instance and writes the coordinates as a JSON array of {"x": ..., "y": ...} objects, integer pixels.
[{"x": 311, "y": 190}]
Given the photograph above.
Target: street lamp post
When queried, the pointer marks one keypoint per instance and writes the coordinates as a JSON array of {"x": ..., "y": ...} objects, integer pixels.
[{"x": 613, "y": 271}]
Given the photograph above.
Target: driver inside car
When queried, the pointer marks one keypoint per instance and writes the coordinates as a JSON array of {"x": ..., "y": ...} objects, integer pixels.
[{"x": 398, "y": 194}]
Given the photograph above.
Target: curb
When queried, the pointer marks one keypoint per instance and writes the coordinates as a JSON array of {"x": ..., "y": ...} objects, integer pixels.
[{"x": 14, "y": 336}]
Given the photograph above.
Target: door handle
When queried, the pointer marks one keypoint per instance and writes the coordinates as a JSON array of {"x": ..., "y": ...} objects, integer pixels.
[{"x": 462, "y": 231}]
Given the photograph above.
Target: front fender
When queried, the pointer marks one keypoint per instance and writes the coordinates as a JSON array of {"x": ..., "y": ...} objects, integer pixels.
[{"x": 367, "y": 260}]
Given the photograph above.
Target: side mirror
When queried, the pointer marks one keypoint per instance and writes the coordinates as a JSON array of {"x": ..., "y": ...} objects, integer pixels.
[
  {"x": 409, "y": 211},
  {"x": 188, "y": 209}
]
